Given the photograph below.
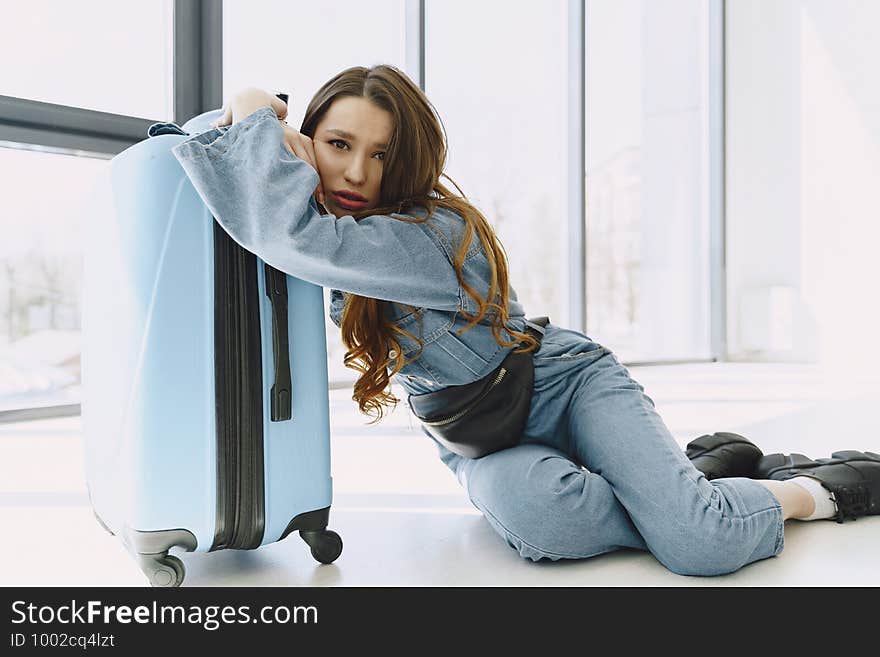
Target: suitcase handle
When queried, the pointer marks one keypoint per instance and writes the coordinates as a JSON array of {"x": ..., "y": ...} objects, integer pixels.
[{"x": 276, "y": 290}]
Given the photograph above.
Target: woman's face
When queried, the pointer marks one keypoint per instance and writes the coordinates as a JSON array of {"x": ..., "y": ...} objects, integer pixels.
[{"x": 350, "y": 144}]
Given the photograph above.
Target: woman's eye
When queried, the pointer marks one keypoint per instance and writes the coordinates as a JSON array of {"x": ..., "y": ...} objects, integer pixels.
[{"x": 341, "y": 145}]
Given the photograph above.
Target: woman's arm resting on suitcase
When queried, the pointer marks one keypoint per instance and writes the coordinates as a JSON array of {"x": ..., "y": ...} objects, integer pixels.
[
  {"x": 247, "y": 101},
  {"x": 261, "y": 194}
]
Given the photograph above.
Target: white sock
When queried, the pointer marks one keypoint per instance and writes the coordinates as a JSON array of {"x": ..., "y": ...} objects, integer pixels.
[{"x": 824, "y": 498}]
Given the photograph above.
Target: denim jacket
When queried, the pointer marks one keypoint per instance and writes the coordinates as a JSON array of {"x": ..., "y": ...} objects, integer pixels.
[{"x": 262, "y": 195}]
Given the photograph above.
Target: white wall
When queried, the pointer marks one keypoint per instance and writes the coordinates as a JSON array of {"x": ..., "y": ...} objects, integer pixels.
[{"x": 803, "y": 171}]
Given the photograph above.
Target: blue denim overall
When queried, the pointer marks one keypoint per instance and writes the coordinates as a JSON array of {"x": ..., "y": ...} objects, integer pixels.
[{"x": 597, "y": 469}]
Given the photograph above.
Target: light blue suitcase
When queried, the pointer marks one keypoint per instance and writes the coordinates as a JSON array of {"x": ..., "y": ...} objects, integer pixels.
[{"x": 205, "y": 407}]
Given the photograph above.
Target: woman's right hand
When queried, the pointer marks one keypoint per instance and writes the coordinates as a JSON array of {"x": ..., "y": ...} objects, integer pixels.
[{"x": 246, "y": 102}]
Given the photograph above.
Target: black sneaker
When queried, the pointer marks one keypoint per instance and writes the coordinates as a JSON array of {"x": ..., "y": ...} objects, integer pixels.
[
  {"x": 853, "y": 477},
  {"x": 723, "y": 454}
]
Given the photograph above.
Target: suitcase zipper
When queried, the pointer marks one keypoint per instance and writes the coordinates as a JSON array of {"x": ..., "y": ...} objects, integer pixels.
[
  {"x": 453, "y": 418},
  {"x": 240, "y": 516}
]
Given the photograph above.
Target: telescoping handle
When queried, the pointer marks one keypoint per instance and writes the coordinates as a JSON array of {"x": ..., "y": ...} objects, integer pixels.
[{"x": 276, "y": 290}]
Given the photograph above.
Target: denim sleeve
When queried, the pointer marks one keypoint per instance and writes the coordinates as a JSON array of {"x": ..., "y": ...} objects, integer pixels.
[{"x": 261, "y": 194}]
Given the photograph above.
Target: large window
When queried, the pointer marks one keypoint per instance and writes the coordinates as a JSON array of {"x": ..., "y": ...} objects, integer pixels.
[
  {"x": 66, "y": 54},
  {"x": 44, "y": 198},
  {"x": 295, "y": 47},
  {"x": 647, "y": 159},
  {"x": 497, "y": 73},
  {"x": 803, "y": 168},
  {"x": 102, "y": 54}
]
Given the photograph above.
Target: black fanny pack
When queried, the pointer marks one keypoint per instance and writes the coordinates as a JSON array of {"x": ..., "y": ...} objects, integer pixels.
[{"x": 488, "y": 414}]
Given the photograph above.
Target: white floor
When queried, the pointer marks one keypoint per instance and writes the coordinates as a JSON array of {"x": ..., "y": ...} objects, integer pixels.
[{"x": 405, "y": 521}]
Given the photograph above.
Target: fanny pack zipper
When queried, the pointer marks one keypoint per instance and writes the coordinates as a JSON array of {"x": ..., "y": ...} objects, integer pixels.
[{"x": 453, "y": 418}]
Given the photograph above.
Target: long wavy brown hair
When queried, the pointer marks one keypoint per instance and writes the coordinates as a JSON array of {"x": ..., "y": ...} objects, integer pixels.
[{"x": 413, "y": 165}]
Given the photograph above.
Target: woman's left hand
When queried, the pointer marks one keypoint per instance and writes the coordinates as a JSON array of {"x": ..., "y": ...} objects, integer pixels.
[{"x": 304, "y": 148}]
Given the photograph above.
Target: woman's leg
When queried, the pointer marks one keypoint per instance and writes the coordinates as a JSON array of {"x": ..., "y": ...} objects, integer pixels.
[
  {"x": 693, "y": 526},
  {"x": 543, "y": 504}
]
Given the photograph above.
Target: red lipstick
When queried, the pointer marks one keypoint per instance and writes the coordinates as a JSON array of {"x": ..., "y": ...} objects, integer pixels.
[{"x": 350, "y": 200}]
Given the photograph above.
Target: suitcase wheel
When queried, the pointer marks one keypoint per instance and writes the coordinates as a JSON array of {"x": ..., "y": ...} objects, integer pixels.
[
  {"x": 162, "y": 569},
  {"x": 326, "y": 544}
]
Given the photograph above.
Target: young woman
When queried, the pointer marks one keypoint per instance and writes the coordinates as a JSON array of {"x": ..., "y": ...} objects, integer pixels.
[{"x": 353, "y": 201}]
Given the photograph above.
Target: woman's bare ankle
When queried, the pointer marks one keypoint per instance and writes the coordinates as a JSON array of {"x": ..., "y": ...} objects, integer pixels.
[{"x": 795, "y": 500}]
